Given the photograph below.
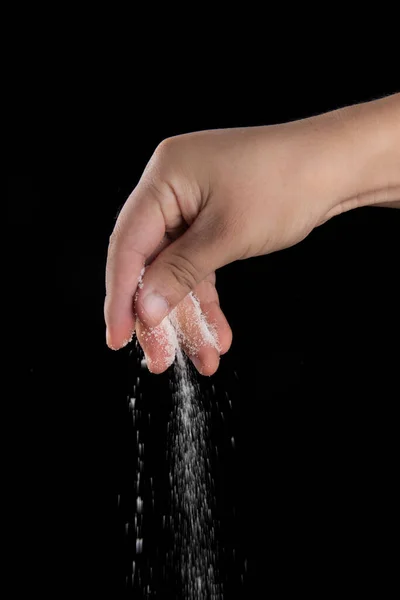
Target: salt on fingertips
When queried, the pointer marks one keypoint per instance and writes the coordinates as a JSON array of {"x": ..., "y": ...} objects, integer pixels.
[
  {"x": 170, "y": 335},
  {"x": 205, "y": 333}
]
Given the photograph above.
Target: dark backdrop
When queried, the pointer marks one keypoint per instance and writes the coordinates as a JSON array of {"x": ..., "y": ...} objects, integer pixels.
[{"x": 305, "y": 497}]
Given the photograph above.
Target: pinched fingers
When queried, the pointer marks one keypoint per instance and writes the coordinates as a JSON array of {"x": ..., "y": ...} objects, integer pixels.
[{"x": 203, "y": 332}]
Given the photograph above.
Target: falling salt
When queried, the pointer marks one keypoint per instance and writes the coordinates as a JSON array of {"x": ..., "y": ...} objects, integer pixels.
[
  {"x": 191, "y": 520},
  {"x": 193, "y": 526}
]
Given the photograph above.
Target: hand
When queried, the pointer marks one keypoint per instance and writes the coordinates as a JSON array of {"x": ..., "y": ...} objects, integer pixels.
[
  {"x": 220, "y": 195},
  {"x": 217, "y": 196}
]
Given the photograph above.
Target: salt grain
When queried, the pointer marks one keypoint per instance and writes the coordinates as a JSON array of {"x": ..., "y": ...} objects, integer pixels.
[{"x": 140, "y": 280}]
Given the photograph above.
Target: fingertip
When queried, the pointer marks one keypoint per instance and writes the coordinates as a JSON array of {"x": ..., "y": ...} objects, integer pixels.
[
  {"x": 155, "y": 368},
  {"x": 207, "y": 362},
  {"x": 109, "y": 340},
  {"x": 156, "y": 345},
  {"x": 226, "y": 339},
  {"x": 120, "y": 322},
  {"x": 116, "y": 340},
  {"x": 216, "y": 317},
  {"x": 209, "y": 370},
  {"x": 158, "y": 366}
]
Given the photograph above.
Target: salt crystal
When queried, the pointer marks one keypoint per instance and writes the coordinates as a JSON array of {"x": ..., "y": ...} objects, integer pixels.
[
  {"x": 139, "y": 504},
  {"x": 140, "y": 280}
]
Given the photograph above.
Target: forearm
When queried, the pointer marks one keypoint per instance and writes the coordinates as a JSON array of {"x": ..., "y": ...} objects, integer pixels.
[{"x": 372, "y": 141}]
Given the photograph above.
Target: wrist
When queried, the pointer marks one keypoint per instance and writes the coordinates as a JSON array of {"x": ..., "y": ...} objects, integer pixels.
[{"x": 370, "y": 164}]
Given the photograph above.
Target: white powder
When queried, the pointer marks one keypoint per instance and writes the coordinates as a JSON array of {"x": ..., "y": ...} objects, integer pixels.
[
  {"x": 140, "y": 280},
  {"x": 195, "y": 556},
  {"x": 136, "y": 526}
]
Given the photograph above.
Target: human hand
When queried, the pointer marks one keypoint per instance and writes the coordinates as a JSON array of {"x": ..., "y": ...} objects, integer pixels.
[{"x": 212, "y": 197}]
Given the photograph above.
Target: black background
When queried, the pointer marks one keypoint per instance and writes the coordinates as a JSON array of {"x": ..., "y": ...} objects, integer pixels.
[{"x": 306, "y": 496}]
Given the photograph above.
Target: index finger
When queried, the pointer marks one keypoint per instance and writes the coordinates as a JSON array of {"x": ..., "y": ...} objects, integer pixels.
[{"x": 139, "y": 230}]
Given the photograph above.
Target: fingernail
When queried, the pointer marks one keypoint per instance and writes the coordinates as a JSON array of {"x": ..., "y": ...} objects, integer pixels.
[{"x": 156, "y": 307}]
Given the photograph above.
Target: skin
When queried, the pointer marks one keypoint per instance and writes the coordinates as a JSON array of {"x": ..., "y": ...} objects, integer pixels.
[{"x": 209, "y": 198}]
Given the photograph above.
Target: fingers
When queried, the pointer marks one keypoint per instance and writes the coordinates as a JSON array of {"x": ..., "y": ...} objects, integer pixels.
[
  {"x": 198, "y": 338},
  {"x": 158, "y": 345},
  {"x": 138, "y": 232},
  {"x": 179, "y": 268},
  {"x": 196, "y": 342},
  {"x": 209, "y": 303}
]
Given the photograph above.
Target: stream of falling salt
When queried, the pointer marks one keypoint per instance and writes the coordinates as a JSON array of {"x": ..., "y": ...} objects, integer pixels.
[
  {"x": 190, "y": 477},
  {"x": 194, "y": 531},
  {"x": 194, "y": 554}
]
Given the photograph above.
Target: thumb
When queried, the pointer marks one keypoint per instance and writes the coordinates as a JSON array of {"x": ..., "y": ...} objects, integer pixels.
[{"x": 180, "y": 267}]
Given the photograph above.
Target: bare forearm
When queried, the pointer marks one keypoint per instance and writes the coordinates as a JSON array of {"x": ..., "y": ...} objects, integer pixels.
[{"x": 372, "y": 132}]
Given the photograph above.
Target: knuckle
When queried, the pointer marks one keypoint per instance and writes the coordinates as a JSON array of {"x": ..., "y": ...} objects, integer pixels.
[
  {"x": 165, "y": 150},
  {"x": 170, "y": 152},
  {"x": 162, "y": 166},
  {"x": 165, "y": 144},
  {"x": 159, "y": 189},
  {"x": 211, "y": 278}
]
